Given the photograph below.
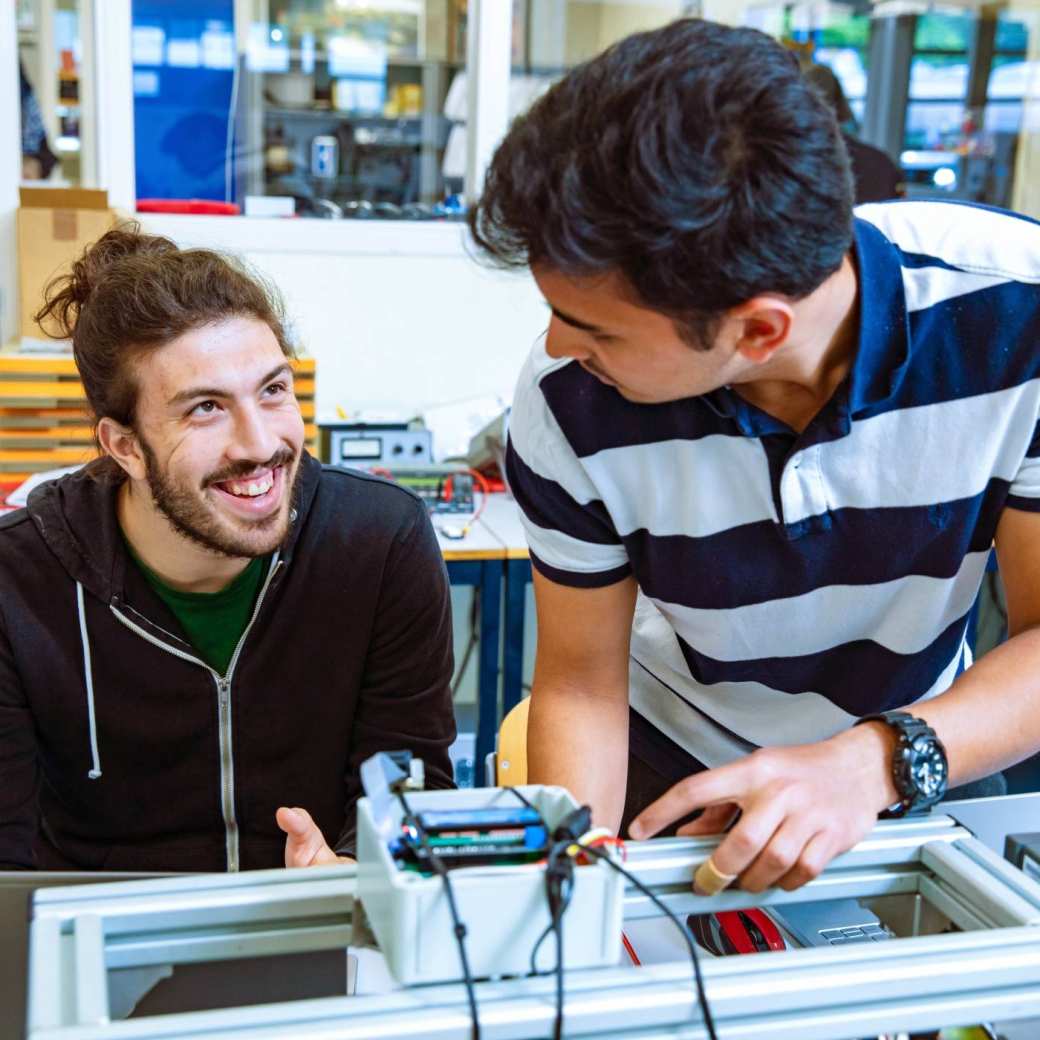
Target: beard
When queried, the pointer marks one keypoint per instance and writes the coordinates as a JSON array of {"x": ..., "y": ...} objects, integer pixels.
[{"x": 191, "y": 516}]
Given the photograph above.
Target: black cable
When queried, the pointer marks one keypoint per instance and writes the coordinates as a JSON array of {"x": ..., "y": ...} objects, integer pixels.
[
  {"x": 459, "y": 928},
  {"x": 702, "y": 999},
  {"x": 559, "y": 883},
  {"x": 460, "y": 938},
  {"x": 548, "y": 930},
  {"x": 558, "y": 928},
  {"x": 517, "y": 793}
]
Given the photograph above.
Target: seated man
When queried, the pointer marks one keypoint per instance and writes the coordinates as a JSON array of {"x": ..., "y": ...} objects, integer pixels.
[
  {"x": 205, "y": 626},
  {"x": 796, "y": 432}
]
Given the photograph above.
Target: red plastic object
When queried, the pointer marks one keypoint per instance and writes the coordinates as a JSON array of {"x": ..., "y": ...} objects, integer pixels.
[
  {"x": 736, "y": 931},
  {"x": 206, "y": 207}
]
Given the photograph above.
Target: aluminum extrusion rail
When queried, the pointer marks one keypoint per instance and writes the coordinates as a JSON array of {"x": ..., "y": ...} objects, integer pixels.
[{"x": 79, "y": 934}]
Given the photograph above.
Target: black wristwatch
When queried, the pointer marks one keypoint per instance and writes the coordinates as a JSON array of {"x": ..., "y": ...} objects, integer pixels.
[{"x": 919, "y": 766}]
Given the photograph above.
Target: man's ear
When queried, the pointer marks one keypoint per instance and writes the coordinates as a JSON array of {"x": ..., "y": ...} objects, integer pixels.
[
  {"x": 121, "y": 444},
  {"x": 765, "y": 325}
]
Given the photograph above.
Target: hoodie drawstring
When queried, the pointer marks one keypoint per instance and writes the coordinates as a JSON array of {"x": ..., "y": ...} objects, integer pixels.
[{"x": 95, "y": 771}]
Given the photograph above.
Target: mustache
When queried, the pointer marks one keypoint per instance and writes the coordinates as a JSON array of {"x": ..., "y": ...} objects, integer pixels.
[{"x": 282, "y": 457}]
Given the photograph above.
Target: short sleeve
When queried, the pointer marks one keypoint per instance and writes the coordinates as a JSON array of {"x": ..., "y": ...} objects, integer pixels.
[
  {"x": 1025, "y": 488},
  {"x": 569, "y": 531}
]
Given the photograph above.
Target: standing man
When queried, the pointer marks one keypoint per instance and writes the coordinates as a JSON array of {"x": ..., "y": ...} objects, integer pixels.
[
  {"x": 205, "y": 626},
  {"x": 762, "y": 456}
]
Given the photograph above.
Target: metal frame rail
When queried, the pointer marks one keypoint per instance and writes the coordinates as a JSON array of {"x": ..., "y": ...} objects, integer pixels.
[{"x": 990, "y": 970}]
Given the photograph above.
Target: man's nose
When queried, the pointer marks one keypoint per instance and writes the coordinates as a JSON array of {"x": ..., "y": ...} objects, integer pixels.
[
  {"x": 253, "y": 439},
  {"x": 562, "y": 341}
]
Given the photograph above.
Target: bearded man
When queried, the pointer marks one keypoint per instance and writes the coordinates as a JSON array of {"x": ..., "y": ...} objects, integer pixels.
[{"x": 205, "y": 632}]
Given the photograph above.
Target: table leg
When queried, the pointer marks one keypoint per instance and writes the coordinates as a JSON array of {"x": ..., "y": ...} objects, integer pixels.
[
  {"x": 518, "y": 576},
  {"x": 487, "y": 688}
]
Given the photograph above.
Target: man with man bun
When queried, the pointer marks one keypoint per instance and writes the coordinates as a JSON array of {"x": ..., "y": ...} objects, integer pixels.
[{"x": 205, "y": 632}]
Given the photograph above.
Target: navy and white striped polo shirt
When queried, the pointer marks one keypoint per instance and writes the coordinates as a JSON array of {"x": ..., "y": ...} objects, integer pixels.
[{"x": 791, "y": 583}]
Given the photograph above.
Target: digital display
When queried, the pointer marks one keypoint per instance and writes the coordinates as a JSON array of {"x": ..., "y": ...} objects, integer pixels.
[{"x": 361, "y": 448}]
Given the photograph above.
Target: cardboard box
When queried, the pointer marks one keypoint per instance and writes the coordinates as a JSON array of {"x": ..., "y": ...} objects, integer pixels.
[{"x": 55, "y": 225}]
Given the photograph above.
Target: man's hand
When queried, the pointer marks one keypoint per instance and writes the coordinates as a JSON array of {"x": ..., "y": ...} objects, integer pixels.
[
  {"x": 799, "y": 806},
  {"x": 304, "y": 844}
]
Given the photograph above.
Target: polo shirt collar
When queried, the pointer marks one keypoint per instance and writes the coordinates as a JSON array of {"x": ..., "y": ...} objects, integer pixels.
[{"x": 883, "y": 347}]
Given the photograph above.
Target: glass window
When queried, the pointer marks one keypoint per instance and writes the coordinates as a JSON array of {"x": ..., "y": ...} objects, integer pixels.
[
  {"x": 942, "y": 76},
  {"x": 931, "y": 125},
  {"x": 314, "y": 108},
  {"x": 1011, "y": 76},
  {"x": 54, "y": 101},
  {"x": 939, "y": 74},
  {"x": 829, "y": 34},
  {"x": 1012, "y": 34},
  {"x": 954, "y": 148},
  {"x": 939, "y": 31}
]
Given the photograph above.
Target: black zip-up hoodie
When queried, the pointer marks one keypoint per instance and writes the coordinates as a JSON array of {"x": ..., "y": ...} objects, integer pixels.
[{"x": 120, "y": 750}]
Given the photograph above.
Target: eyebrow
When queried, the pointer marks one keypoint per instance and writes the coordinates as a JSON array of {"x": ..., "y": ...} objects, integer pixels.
[
  {"x": 574, "y": 322},
  {"x": 208, "y": 391}
]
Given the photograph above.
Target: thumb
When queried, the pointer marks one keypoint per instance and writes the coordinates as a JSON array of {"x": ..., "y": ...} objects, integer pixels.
[
  {"x": 304, "y": 844},
  {"x": 297, "y": 823}
]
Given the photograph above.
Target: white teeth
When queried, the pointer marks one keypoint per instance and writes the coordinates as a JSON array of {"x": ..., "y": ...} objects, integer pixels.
[{"x": 253, "y": 489}]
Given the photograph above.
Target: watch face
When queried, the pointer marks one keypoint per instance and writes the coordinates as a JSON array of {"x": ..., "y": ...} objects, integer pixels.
[{"x": 928, "y": 768}]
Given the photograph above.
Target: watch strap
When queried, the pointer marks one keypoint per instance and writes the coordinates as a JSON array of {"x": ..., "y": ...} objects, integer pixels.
[{"x": 908, "y": 728}]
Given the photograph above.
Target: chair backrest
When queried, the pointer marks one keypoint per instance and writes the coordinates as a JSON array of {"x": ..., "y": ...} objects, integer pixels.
[{"x": 511, "y": 757}]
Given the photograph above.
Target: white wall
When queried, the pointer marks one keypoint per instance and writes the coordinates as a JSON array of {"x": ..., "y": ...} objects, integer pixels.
[{"x": 398, "y": 316}]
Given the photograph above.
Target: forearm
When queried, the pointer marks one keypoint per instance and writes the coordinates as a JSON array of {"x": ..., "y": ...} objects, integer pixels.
[
  {"x": 990, "y": 717},
  {"x": 987, "y": 720},
  {"x": 580, "y": 741}
]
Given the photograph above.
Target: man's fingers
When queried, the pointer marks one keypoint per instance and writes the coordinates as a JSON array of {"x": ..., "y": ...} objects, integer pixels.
[
  {"x": 725, "y": 784},
  {"x": 297, "y": 823},
  {"x": 819, "y": 851},
  {"x": 714, "y": 820},
  {"x": 748, "y": 838},
  {"x": 779, "y": 856},
  {"x": 304, "y": 844}
]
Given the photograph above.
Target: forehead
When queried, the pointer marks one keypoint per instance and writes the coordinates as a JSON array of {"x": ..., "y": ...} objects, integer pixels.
[
  {"x": 230, "y": 355},
  {"x": 601, "y": 300}
]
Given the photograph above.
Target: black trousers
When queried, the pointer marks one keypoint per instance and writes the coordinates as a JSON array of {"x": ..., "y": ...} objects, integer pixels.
[{"x": 656, "y": 763}]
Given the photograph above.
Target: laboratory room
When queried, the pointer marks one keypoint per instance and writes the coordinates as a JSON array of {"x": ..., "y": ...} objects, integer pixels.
[{"x": 520, "y": 519}]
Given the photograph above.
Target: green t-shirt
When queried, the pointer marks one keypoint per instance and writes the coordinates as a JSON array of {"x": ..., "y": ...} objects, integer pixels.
[{"x": 213, "y": 621}]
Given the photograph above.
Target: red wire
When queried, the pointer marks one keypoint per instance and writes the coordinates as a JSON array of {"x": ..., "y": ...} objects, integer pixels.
[
  {"x": 629, "y": 949},
  {"x": 484, "y": 492},
  {"x": 616, "y": 842}
]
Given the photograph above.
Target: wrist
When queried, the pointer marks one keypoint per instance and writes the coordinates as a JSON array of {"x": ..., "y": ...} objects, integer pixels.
[{"x": 870, "y": 749}]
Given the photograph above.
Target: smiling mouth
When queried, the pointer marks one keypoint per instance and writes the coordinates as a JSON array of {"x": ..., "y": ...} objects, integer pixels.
[
  {"x": 253, "y": 486},
  {"x": 256, "y": 497}
]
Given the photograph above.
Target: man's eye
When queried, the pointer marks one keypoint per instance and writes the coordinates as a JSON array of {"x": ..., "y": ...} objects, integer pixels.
[
  {"x": 275, "y": 389},
  {"x": 204, "y": 408}
]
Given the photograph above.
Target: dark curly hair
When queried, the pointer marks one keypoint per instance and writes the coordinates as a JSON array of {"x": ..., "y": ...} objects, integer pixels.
[
  {"x": 695, "y": 161},
  {"x": 129, "y": 293}
]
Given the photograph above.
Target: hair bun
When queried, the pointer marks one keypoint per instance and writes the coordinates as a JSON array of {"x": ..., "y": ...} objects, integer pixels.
[{"x": 67, "y": 295}]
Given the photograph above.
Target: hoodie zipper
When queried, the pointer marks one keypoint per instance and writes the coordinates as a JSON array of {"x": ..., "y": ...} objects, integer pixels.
[{"x": 223, "y": 683}]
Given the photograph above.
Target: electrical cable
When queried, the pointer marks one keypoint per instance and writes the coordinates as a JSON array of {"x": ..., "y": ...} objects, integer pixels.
[
  {"x": 702, "y": 998},
  {"x": 459, "y": 928},
  {"x": 482, "y": 483},
  {"x": 559, "y": 885}
]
